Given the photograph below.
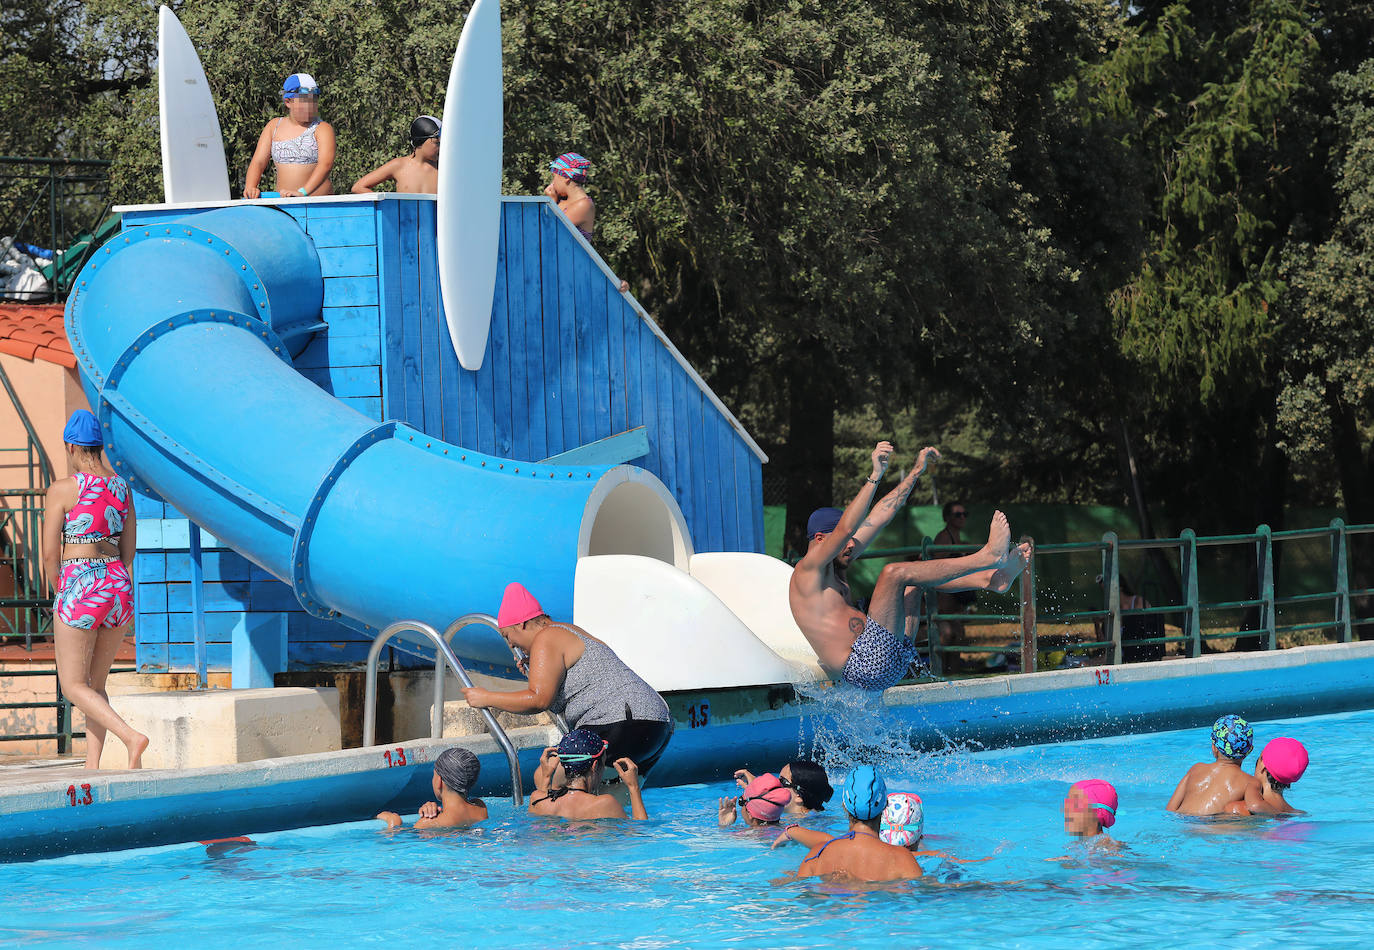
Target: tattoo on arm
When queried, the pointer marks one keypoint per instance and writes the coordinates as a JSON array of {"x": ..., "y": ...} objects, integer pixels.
[{"x": 856, "y": 626}]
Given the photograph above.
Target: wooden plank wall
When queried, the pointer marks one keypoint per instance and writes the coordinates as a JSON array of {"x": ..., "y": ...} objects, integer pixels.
[
  {"x": 569, "y": 361},
  {"x": 345, "y": 361}
]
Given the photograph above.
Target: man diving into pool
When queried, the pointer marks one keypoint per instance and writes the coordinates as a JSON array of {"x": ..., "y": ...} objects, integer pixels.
[{"x": 861, "y": 648}]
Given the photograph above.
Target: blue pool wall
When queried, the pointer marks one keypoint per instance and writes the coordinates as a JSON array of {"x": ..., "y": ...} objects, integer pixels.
[
  {"x": 1031, "y": 709},
  {"x": 570, "y": 361}
]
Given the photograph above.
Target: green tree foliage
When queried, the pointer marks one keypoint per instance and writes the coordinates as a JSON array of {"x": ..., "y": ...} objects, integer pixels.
[{"x": 1328, "y": 401}]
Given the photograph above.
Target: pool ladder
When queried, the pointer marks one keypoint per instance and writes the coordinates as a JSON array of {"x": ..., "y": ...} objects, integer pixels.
[{"x": 444, "y": 658}]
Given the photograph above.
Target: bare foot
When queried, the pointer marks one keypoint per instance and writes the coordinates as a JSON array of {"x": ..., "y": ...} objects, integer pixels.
[
  {"x": 136, "y": 751},
  {"x": 1011, "y": 567},
  {"x": 999, "y": 537}
]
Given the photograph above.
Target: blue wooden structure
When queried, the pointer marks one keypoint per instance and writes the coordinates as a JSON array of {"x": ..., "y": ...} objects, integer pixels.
[{"x": 574, "y": 370}]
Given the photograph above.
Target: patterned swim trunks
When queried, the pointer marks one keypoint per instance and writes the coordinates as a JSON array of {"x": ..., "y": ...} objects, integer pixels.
[
  {"x": 878, "y": 659},
  {"x": 94, "y": 593}
]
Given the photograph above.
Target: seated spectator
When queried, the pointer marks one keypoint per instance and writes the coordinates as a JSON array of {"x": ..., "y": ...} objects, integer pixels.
[
  {"x": 569, "y": 774},
  {"x": 416, "y": 173},
  {"x": 299, "y": 144},
  {"x": 455, "y": 772},
  {"x": 572, "y": 673}
]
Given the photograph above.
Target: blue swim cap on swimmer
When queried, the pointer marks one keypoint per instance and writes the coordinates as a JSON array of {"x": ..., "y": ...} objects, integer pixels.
[
  {"x": 82, "y": 429},
  {"x": 299, "y": 84},
  {"x": 865, "y": 793},
  {"x": 578, "y": 751},
  {"x": 1233, "y": 737},
  {"x": 822, "y": 521}
]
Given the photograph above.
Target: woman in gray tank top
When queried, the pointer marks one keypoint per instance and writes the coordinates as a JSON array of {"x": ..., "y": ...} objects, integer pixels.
[{"x": 573, "y": 673}]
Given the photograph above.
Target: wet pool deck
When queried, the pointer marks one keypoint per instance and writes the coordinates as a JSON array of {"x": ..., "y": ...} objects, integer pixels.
[{"x": 52, "y": 807}]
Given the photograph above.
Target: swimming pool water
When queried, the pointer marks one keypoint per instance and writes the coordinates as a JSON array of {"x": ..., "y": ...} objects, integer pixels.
[{"x": 677, "y": 881}]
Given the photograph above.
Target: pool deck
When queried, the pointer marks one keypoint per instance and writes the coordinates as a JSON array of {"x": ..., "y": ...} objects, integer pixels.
[{"x": 52, "y": 807}]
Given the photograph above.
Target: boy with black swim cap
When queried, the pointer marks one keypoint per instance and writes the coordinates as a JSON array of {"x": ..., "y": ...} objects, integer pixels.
[{"x": 416, "y": 173}]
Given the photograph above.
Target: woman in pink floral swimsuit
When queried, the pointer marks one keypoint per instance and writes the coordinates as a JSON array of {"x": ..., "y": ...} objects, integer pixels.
[{"x": 88, "y": 549}]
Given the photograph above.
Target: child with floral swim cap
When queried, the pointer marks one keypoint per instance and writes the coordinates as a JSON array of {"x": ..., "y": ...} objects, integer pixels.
[
  {"x": 1210, "y": 786},
  {"x": 1282, "y": 763}
]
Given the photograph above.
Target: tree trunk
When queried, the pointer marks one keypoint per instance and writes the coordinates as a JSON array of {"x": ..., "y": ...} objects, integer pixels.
[
  {"x": 1133, "y": 482},
  {"x": 810, "y": 440},
  {"x": 1355, "y": 464}
]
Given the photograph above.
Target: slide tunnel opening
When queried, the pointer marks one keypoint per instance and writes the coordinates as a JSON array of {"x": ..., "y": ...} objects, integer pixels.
[{"x": 631, "y": 512}]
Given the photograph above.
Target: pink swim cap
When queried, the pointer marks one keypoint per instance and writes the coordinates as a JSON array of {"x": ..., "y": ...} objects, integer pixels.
[
  {"x": 765, "y": 798},
  {"x": 1285, "y": 760},
  {"x": 517, "y": 606},
  {"x": 1102, "y": 796}
]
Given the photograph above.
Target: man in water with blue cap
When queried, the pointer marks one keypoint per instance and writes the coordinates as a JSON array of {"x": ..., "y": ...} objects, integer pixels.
[
  {"x": 861, "y": 854},
  {"x": 872, "y": 652}
]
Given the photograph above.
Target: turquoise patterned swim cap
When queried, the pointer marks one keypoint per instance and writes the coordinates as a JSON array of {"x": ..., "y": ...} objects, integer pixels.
[{"x": 1233, "y": 737}]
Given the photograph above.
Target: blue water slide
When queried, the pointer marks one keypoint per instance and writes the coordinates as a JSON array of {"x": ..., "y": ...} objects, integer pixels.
[{"x": 184, "y": 333}]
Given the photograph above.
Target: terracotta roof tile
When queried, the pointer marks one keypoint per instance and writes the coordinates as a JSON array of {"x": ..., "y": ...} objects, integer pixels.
[{"x": 35, "y": 331}]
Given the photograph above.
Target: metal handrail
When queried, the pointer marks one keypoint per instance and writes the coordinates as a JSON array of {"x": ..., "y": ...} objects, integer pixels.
[
  {"x": 444, "y": 654},
  {"x": 485, "y": 620},
  {"x": 1342, "y": 624}
]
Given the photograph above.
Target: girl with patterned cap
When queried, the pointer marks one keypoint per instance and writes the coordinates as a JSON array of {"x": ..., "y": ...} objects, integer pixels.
[
  {"x": 89, "y": 542},
  {"x": 299, "y": 144},
  {"x": 568, "y": 189}
]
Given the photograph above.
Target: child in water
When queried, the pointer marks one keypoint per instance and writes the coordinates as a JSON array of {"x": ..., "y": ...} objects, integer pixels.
[
  {"x": 763, "y": 801},
  {"x": 1090, "y": 809},
  {"x": 455, "y": 772},
  {"x": 1282, "y": 763},
  {"x": 416, "y": 173},
  {"x": 1210, "y": 786},
  {"x": 859, "y": 854}
]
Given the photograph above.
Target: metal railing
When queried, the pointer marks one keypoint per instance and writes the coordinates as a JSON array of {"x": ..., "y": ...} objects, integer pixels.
[
  {"x": 56, "y": 200},
  {"x": 24, "y": 613},
  {"x": 467, "y": 620},
  {"x": 444, "y": 655},
  {"x": 63, "y": 732},
  {"x": 1265, "y": 608}
]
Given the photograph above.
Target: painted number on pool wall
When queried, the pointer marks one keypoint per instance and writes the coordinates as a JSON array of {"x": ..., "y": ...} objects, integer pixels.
[
  {"x": 1104, "y": 677},
  {"x": 699, "y": 715},
  {"x": 395, "y": 761},
  {"x": 79, "y": 795}
]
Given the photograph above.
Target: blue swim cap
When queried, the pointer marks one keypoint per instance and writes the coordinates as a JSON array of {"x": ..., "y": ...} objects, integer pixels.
[
  {"x": 822, "y": 521},
  {"x": 1233, "y": 737},
  {"x": 579, "y": 750},
  {"x": 865, "y": 793},
  {"x": 82, "y": 429},
  {"x": 299, "y": 84}
]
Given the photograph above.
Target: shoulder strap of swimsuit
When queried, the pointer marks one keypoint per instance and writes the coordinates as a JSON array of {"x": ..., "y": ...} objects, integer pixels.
[{"x": 844, "y": 837}]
